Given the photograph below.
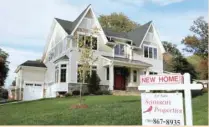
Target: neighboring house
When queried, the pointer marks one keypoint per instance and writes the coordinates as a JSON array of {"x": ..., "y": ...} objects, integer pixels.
[{"x": 139, "y": 51}]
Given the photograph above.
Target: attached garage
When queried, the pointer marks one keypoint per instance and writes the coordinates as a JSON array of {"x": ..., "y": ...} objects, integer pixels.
[
  {"x": 32, "y": 91},
  {"x": 30, "y": 80}
]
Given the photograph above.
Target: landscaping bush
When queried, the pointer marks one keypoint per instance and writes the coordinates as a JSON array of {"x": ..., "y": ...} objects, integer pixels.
[
  {"x": 76, "y": 93},
  {"x": 4, "y": 93},
  {"x": 98, "y": 92},
  {"x": 68, "y": 94},
  {"x": 205, "y": 90},
  {"x": 86, "y": 93},
  {"x": 105, "y": 92},
  {"x": 93, "y": 83}
]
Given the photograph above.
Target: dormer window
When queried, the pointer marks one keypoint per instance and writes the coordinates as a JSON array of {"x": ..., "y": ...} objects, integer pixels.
[
  {"x": 119, "y": 49},
  {"x": 150, "y": 52}
]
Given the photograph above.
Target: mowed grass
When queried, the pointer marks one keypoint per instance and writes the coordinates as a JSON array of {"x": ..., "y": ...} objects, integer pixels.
[{"x": 103, "y": 110}]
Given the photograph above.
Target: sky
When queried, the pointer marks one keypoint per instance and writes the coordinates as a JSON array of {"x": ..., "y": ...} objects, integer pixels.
[{"x": 25, "y": 24}]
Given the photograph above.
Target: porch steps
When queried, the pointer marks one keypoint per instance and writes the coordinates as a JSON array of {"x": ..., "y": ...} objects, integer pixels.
[{"x": 125, "y": 93}]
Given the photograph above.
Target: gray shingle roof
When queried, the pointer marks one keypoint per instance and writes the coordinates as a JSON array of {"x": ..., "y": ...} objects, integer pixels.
[
  {"x": 128, "y": 61},
  {"x": 109, "y": 32},
  {"x": 138, "y": 34},
  {"x": 69, "y": 26},
  {"x": 135, "y": 35},
  {"x": 66, "y": 25},
  {"x": 33, "y": 63}
]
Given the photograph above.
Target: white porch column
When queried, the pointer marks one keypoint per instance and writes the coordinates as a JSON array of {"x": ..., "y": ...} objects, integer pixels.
[
  {"x": 111, "y": 80},
  {"x": 147, "y": 71}
]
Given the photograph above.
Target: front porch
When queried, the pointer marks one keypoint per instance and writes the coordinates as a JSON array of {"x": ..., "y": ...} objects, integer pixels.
[{"x": 124, "y": 73}]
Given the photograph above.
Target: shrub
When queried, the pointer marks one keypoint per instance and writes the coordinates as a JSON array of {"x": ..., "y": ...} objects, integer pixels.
[
  {"x": 86, "y": 93},
  {"x": 75, "y": 93},
  {"x": 98, "y": 92},
  {"x": 105, "y": 92},
  {"x": 68, "y": 94},
  {"x": 93, "y": 83},
  {"x": 4, "y": 93},
  {"x": 205, "y": 90}
]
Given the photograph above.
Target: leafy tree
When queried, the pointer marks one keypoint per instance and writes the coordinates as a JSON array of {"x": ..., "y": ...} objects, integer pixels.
[
  {"x": 175, "y": 62},
  {"x": 198, "y": 44},
  {"x": 93, "y": 84},
  {"x": 4, "y": 66},
  {"x": 171, "y": 53},
  {"x": 117, "y": 22}
]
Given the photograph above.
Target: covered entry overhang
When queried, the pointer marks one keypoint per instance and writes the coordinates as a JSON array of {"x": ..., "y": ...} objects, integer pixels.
[
  {"x": 117, "y": 74},
  {"x": 119, "y": 61}
]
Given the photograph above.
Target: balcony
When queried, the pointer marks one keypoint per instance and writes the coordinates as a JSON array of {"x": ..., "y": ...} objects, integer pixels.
[{"x": 59, "y": 48}]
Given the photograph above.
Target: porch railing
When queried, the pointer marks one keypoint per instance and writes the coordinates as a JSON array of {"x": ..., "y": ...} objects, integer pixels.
[{"x": 59, "y": 48}]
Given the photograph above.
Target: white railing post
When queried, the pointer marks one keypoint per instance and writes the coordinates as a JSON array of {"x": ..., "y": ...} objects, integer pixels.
[{"x": 188, "y": 102}]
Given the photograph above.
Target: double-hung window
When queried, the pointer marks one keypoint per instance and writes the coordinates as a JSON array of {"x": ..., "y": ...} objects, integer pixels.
[
  {"x": 86, "y": 73},
  {"x": 107, "y": 73},
  {"x": 152, "y": 73},
  {"x": 150, "y": 52},
  {"x": 134, "y": 76},
  {"x": 119, "y": 49},
  {"x": 87, "y": 41},
  {"x": 63, "y": 73}
]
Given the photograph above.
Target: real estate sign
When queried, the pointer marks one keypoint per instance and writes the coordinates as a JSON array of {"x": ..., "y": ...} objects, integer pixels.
[
  {"x": 161, "y": 79},
  {"x": 162, "y": 109},
  {"x": 167, "y": 108}
]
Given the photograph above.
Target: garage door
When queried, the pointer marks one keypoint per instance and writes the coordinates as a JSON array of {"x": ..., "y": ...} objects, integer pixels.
[{"x": 33, "y": 91}]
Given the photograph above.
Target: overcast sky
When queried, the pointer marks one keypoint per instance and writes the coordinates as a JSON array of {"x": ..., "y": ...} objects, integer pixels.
[{"x": 25, "y": 24}]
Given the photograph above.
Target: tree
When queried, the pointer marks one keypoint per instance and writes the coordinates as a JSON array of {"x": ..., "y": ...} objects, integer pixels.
[
  {"x": 117, "y": 22},
  {"x": 93, "y": 84},
  {"x": 171, "y": 53},
  {"x": 175, "y": 62},
  {"x": 87, "y": 58},
  {"x": 198, "y": 44},
  {"x": 4, "y": 66}
]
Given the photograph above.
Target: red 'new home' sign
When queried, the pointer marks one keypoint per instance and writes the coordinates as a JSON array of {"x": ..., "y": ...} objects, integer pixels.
[{"x": 161, "y": 79}]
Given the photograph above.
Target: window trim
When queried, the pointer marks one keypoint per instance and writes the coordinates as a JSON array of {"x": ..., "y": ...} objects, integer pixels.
[
  {"x": 87, "y": 34},
  {"x": 153, "y": 47},
  {"x": 59, "y": 71},
  {"x": 107, "y": 76},
  {"x": 124, "y": 48},
  {"x": 77, "y": 64},
  {"x": 135, "y": 75}
]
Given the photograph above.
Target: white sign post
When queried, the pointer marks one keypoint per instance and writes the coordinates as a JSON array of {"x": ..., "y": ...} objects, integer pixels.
[{"x": 172, "y": 82}]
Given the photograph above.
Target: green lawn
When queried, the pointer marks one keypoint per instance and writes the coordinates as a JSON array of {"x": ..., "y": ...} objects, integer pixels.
[{"x": 103, "y": 110}]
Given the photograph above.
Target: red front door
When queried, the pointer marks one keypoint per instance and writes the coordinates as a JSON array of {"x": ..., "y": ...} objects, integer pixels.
[{"x": 119, "y": 82}]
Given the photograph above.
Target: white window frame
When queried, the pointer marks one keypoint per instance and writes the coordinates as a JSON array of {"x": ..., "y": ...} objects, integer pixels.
[
  {"x": 120, "y": 55},
  {"x": 150, "y": 46},
  {"x": 59, "y": 72},
  {"x": 90, "y": 71},
  {"x": 136, "y": 75},
  {"x": 87, "y": 34},
  {"x": 107, "y": 68}
]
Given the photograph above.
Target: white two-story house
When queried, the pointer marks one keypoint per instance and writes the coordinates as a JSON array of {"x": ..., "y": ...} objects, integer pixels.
[{"x": 122, "y": 58}]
